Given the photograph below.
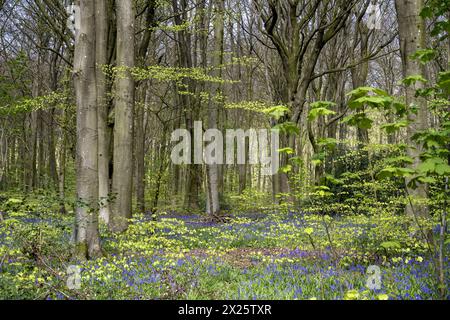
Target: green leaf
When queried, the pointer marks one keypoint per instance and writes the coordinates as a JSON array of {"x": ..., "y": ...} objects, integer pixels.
[
  {"x": 14, "y": 201},
  {"x": 442, "y": 169},
  {"x": 351, "y": 295},
  {"x": 405, "y": 172},
  {"x": 426, "y": 13},
  {"x": 296, "y": 160},
  {"x": 434, "y": 165},
  {"x": 372, "y": 101},
  {"x": 387, "y": 172},
  {"x": 318, "y": 112},
  {"x": 287, "y": 128},
  {"x": 286, "y": 150},
  {"x": 426, "y": 179},
  {"x": 321, "y": 108},
  {"x": 277, "y": 112},
  {"x": 285, "y": 169},
  {"x": 362, "y": 91},
  {"x": 395, "y": 126},
  {"x": 365, "y": 123},
  {"x": 391, "y": 245},
  {"x": 408, "y": 81},
  {"x": 400, "y": 159},
  {"x": 333, "y": 180},
  {"x": 322, "y": 104},
  {"x": 318, "y": 158},
  {"x": 330, "y": 143},
  {"x": 424, "y": 55},
  {"x": 359, "y": 120},
  {"x": 444, "y": 82}
]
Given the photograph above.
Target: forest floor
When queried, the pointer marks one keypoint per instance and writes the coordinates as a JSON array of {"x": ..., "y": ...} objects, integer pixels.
[{"x": 253, "y": 256}]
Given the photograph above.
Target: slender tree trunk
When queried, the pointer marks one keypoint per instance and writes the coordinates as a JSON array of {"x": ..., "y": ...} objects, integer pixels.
[
  {"x": 24, "y": 156},
  {"x": 242, "y": 177},
  {"x": 52, "y": 151},
  {"x": 140, "y": 112},
  {"x": 62, "y": 176},
  {"x": 12, "y": 162},
  {"x": 101, "y": 20},
  {"x": 360, "y": 73},
  {"x": 212, "y": 170},
  {"x": 140, "y": 156},
  {"x": 40, "y": 182},
  {"x": 161, "y": 168},
  {"x": 31, "y": 170},
  {"x": 3, "y": 158},
  {"x": 124, "y": 108}
]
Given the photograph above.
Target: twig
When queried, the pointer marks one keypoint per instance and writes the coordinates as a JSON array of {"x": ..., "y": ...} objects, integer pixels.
[
  {"x": 55, "y": 273},
  {"x": 333, "y": 250},
  {"x": 55, "y": 289},
  {"x": 424, "y": 235}
]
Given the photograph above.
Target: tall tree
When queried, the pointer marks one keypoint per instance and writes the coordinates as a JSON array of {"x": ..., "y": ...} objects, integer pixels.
[
  {"x": 188, "y": 104},
  {"x": 212, "y": 170},
  {"x": 86, "y": 231},
  {"x": 299, "y": 30},
  {"x": 124, "y": 109},
  {"x": 102, "y": 46},
  {"x": 142, "y": 53},
  {"x": 411, "y": 29}
]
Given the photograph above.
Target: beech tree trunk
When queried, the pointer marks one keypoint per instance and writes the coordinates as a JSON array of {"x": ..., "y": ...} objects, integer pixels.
[
  {"x": 101, "y": 16},
  {"x": 124, "y": 108},
  {"x": 411, "y": 30},
  {"x": 86, "y": 226},
  {"x": 212, "y": 170}
]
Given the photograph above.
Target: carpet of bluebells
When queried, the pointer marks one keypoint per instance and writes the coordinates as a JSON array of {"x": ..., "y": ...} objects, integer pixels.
[{"x": 287, "y": 255}]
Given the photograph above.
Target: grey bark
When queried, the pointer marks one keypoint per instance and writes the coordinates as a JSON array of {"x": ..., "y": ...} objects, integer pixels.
[
  {"x": 412, "y": 35},
  {"x": 124, "y": 109},
  {"x": 102, "y": 21},
  {"x": 86, "y": 225},
  {"x": 212, "y": 170}
]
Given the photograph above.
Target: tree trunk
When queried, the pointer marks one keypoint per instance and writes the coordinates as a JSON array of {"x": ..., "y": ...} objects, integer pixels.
[
  {"x": 51, "y": 151},
  {"x": 212, "y": 170},
  {"x": 62, "y": 178},
  {"x": 140, "y": 155},
  {"x": 86, "y": 227},
  {"x": 124, "y": 108},
  {"x": 31, "y": 170},
  {"x": 101, "y": 16},
  {"x": 360, "y": 73},
  {"x": 140, "y": 112},
  {"x": 40, "y": 182},
  {"x": 412, "y": 32}
]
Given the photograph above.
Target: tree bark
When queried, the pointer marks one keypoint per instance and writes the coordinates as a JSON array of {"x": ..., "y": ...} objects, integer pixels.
[
  {"x": 102, "y": 28},
  {"x": 140, "y": 112},
  {"x": 212, "y": 170},
  {"x": 124, "y": 108},
  {"x": 86, "y": 227},
  {"x": 412, "y": 32}
]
